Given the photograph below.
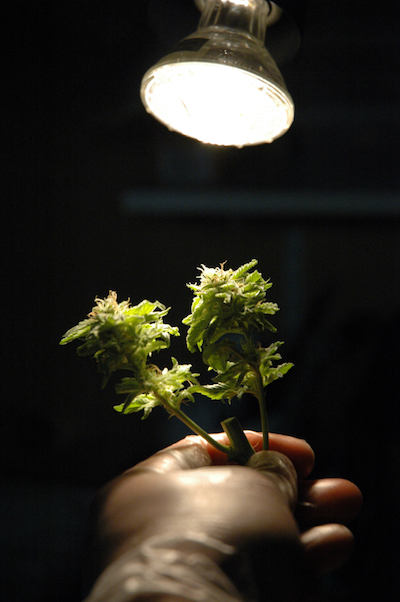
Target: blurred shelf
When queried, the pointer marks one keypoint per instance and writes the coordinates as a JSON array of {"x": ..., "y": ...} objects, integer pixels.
[{"x": 253, "y": 203}]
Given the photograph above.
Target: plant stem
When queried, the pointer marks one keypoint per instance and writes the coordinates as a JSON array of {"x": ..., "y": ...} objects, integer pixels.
[
  {"x": 241, "y": 447},
  {"x": 226, "y": 449},
  {"x": 260, "y": 395},
  {"x": 263, "y": 411}
]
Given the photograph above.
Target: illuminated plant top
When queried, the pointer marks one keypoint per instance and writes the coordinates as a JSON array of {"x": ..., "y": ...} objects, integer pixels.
[{"x": 229, "y": 310}]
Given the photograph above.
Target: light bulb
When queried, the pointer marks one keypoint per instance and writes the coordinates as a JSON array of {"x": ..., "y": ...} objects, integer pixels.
[{"x": 220, "y": 85}]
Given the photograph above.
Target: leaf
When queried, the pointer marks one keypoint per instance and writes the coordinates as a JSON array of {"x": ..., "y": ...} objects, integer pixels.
[
  {"x": 146, "y": 308},
  {"x": 145, "y": 403},
  {"x": 218, "y": 354},
  {"x": 241, "y": 271},
  {"x": 76, "y": 332},
  {"x": 217, "y": 391}
]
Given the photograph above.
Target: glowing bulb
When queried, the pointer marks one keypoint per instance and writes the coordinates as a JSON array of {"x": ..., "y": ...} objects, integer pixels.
[
  {"x": 218, "y": 104},
  {"x": 220, "y": 85}
]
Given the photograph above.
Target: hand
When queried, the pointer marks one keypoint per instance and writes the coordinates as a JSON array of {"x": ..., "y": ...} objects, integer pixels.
[{"x": 189, "y": 487}]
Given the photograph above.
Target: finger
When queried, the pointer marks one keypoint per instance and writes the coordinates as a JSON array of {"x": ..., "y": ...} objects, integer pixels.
[
  {"x": 280, "y": 470},
  {"x": 297, "y": 450},
  {"x": 327, "y": 501},
  {"x": 194, "y": 452},
  {"x": 326, "y": 548}
]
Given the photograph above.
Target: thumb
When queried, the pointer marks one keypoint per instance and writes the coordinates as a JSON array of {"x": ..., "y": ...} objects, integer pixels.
[{"x": 279, "y": 469}]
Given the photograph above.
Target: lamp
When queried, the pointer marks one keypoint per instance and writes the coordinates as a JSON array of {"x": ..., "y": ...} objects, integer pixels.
[{"x": 220, "y": 84}]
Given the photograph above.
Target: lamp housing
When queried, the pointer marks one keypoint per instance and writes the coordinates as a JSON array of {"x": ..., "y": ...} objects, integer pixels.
[{"x": 220, "y": 84}]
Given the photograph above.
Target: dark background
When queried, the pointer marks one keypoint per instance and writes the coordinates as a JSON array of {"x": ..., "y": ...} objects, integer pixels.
[{"x": 319, "y": 208}]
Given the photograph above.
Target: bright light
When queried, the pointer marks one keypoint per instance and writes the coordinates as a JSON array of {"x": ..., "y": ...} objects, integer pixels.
[
  {"x": 241, "y": 108},
  {"x": 220, "y": 84}
]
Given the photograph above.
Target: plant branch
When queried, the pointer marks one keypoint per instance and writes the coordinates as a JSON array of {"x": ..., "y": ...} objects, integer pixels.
[
  {"x": 263, "y": 411},
  {"x": 171, "y": 409}
]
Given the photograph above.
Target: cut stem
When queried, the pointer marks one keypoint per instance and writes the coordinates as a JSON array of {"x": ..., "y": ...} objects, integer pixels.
[{"x": 241, "y": 447}]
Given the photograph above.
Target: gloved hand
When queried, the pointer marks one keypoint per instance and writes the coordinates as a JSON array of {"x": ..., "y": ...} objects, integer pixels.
[{"x": 265, "y": 527}]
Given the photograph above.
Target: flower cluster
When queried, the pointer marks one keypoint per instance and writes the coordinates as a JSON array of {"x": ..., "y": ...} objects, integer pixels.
[{"x": 228, "y": 311}]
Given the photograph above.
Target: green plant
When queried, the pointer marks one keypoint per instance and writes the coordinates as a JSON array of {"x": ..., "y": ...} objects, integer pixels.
[{"x": 229, "y": 310}]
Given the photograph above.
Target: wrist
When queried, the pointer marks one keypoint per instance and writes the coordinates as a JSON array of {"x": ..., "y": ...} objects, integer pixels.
[{"x": 166, "y": 569}]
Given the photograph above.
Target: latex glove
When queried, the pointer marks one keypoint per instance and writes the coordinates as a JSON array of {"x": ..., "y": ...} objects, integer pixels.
[{"x": 189, "y": 488}]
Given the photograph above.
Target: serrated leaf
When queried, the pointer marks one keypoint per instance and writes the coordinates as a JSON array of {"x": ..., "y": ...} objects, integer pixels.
[
  {"x": 275, "y": 373},
  {"x": 241, "y": 271},
  {"x": 145, "y": 403},
  {"x": 76, "y": 332},
  {"x": 217, "y": 355},
  {"x": 216, "y": 392}
]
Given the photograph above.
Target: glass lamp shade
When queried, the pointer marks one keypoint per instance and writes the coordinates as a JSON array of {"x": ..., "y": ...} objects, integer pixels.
[{"x": 220, "y": 85}]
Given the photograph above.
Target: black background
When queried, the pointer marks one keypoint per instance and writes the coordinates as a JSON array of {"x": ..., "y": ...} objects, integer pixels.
[{"x": 76, "y": 140}]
